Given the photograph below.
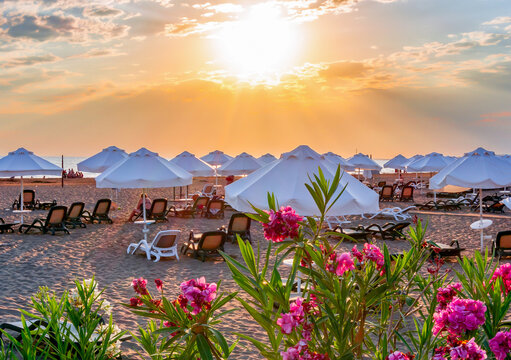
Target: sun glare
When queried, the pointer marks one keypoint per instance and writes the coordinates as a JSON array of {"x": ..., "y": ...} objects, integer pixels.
[{"x": 258, "y": 47}]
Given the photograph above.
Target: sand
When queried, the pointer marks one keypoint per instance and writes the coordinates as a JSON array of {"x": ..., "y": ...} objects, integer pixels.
[{"x": 30, "y": 261}]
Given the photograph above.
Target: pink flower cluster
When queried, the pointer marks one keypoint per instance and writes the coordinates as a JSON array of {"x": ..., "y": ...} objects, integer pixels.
[
  {"x": 370, "y": 252},
  {"x": 199, "y": 294},
  {"x": 504, "y": 272},
  {"x": 501, "y": 344},
  {"x": 468, "y": 350},
  {"x": 339, "y": 263},
  {"x": 398, "y": 355},
  {"x": 140, "y": 286},
  {"x": 301, "y": 352},
  {"x": 283, "y": 224},
  {"x": 459, "y": 316},
  {"x": 445, "y": 295}
]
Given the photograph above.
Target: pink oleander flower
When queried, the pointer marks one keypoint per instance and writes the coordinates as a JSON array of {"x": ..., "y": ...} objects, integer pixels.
[
  {"x": 459, "y": 316},
  {"x": 503, "y": 272},
  {"x": 140, "y": 286},
  {"x": 446, "y": 294},
  {"x": 468, "y": 350},
  {"x": 135, "y": 301},
  {"x": 159, "y": 284},
  {"x": 373, "y": 253},
  {"x": 339, "y": 263},
  {"x": 500, "y": 345},
  {"x": 199, "y": 294},
  {"x": 287, "y": 323},
  {"x": 301, "y": 352},
  {"x": 357, "y": 254},
  {"x": 282, "y": 224},
  {"x": 398, "y": 355}
]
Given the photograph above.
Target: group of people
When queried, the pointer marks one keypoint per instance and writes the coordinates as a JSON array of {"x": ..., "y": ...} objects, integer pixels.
[{"x": 71, "y": 174}]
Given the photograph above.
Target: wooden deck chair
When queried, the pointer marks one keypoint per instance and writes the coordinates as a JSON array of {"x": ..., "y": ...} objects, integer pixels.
[
  {"x": 502, "y": 244},
  {"x": 406, "y": 194},
  {"x": 196, "y": 208},
  {"x": 100, "y": 212},
  {"x": 239, "y": 224},
  {"x": 164, "y": 244},
  {"x": 157, "y": 212},
  {"x": 54, "y": 221},
  {"x": 74, "y": 215},
  {"x": 29, "y": 201},
  {"x": 391, "y": 231},
  {"x": 204, "y": 244},
  {"x": 214, "y": 209},
  {"x": 387, "y": 193}
]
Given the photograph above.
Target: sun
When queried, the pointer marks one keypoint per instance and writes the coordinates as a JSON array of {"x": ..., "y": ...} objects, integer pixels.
[{"x": 259, "y": 46}]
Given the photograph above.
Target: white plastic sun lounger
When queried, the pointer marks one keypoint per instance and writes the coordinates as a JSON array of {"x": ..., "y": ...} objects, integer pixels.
[{"x": 399, "y": 214}]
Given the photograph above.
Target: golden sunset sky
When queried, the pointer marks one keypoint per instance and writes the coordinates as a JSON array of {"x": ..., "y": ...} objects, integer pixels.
[{"x": 379, "y": 77}]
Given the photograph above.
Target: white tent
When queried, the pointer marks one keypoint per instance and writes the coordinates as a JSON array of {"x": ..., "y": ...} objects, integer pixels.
[
  {"x": 479, "y": 169},
  {"x": 266, "y": 158},
  {"x": 361, "y": 161},
  {"x": 102, "y": 160},
  {"x": 428, "y": 163},
  {"x": 143, "y": 169},
  {"x": 24, "y": 163},
  {"x": 193, "y": 165},
  {"x": 339, "y": 160},
  {"x": 398, "y": 162},
  {"x": 216, "y": 158},
  {"x": 286, "y": 178},
  {"x": 242, "y": 164}
]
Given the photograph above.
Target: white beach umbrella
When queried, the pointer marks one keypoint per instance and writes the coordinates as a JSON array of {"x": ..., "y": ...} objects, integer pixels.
[
  {"x": 339, "y": 160},
  {"x": 266, "y": 158},
  {"x": 242, "y": 164},
  {"x": 478, "y": 169},
  {"x": 102, "y": 160},
  {"x": 23, "y": 163},
  {"x": 429, "y": 163},
  {"x": 193, "y": 165},
  {"x": 361, "y": 161},
  {"x": 412, "y": 160},
  {"x": 216, "y": 158},
  {"x": 286, "y": 178},
  {"x": 398, "y": 162},
  {"x": 141, "y": 170}
]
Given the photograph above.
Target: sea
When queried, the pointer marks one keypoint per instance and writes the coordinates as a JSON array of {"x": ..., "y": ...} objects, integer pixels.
[{"x": 71, "y": 162}]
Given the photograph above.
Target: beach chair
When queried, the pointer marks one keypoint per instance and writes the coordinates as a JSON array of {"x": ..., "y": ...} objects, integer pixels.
[
  {"x": 164, "y": 244},
  {"x": 432, "y": 205},
  {"x": 239, "y": 224},
  {"x": 100, "y": 212},
  {"x": 157, "y": 212},
  {"x": 29, "y": 201},
  {"x": 406, "y": 194},
  {"x": 214, "y": 209},
  {"x": 208, "y": 190},
  {"x": 381, "y": 184},
  {"x": 494, "y": 207},
  {"x": 196, "y": 208},
  {"x": 447, "y": 250},
  {"x": 399, "y": 214},
  {"x": 74, "y": 215},
  {"x": 54, "y": 221},
  {"x": 391, "y": 231},
  {"x": 204, "y": 244},
  {"x": 6, "y": 227},
  {"x": 502, "y": 244},
  {"x": 358, "y": 233},
  {"x": 387, "y": 193}
]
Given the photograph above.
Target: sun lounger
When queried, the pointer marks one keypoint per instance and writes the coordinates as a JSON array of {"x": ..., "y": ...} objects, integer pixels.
[
  {"x": 196, "y": 208},
  {"x": 157, "y": 212},
  {"x": 29, "y": 201},
  {"x": 214, "y": 209},
  {"x": 406, "y": 194},
  {"x": 391, "y": 231},
  {"x": 358, "y": 233},
  {"x": 54, "y": 221},
  {"x": 399, "y": 214},
  {"x": 100, "y": 212},
  {"x": 444, "y": 250},
  {"x": 74, "y": 215},
  {"x": 164, "y": 244},
  {"x": 204, "y": 244},
  {"x": 494, "y": 207},
  {"x": 502, "y": 244},
  {"x": 239, "y": 224},
  {"x": 6, "y": 227},
  {"x": 387, "y": 193}
]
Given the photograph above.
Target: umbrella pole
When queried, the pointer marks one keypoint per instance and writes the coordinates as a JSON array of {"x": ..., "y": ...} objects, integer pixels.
[
  {"x": 481, "y": 217},
  {"x": 216, "y": 175},
  {"x": 145, "y": 231},
  {"x": 21, "y": 198}
]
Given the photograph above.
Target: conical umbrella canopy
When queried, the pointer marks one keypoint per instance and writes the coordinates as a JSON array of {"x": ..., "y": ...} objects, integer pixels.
[
  {"x": 193, "y": 165},
  {"x": 396, "y": 162},
  {"x": 266, "y": 158},
  {"x": 102, "y": 160},
  {"x": 479, "y": 169},
  {"x": 143, "y": 169},
  {"x": 23, "y": 163},
  {"x": 412, "y": 160},
  {"x": 430, "y": 162},
  {"x": 361, "y": 161},
  {"x": 241, "y": 165},
  {"x": 339, "y": 160},
  {"x": 286, "y": 178},
  {"x": 216, "y": 158}
]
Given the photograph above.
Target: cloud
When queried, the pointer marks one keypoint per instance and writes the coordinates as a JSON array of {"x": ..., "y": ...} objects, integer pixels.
[
  {"x": 102, "y": 11},
  {"x": 345, "y": 69},
  {"x": 499, "y": 20},
  {"x": 29, "y": 60}
]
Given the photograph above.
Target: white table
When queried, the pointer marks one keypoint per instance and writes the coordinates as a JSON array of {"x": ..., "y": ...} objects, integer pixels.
[
  {"x": 289, "y": 262},
  {"x": 481, "y": 225}
]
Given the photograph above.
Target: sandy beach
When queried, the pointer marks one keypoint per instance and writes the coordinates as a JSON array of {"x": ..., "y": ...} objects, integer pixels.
[{"x": 30, "y": 261}]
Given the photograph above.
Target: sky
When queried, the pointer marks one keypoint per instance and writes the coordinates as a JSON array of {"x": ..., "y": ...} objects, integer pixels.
[{"x": 379, "y": 77}]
